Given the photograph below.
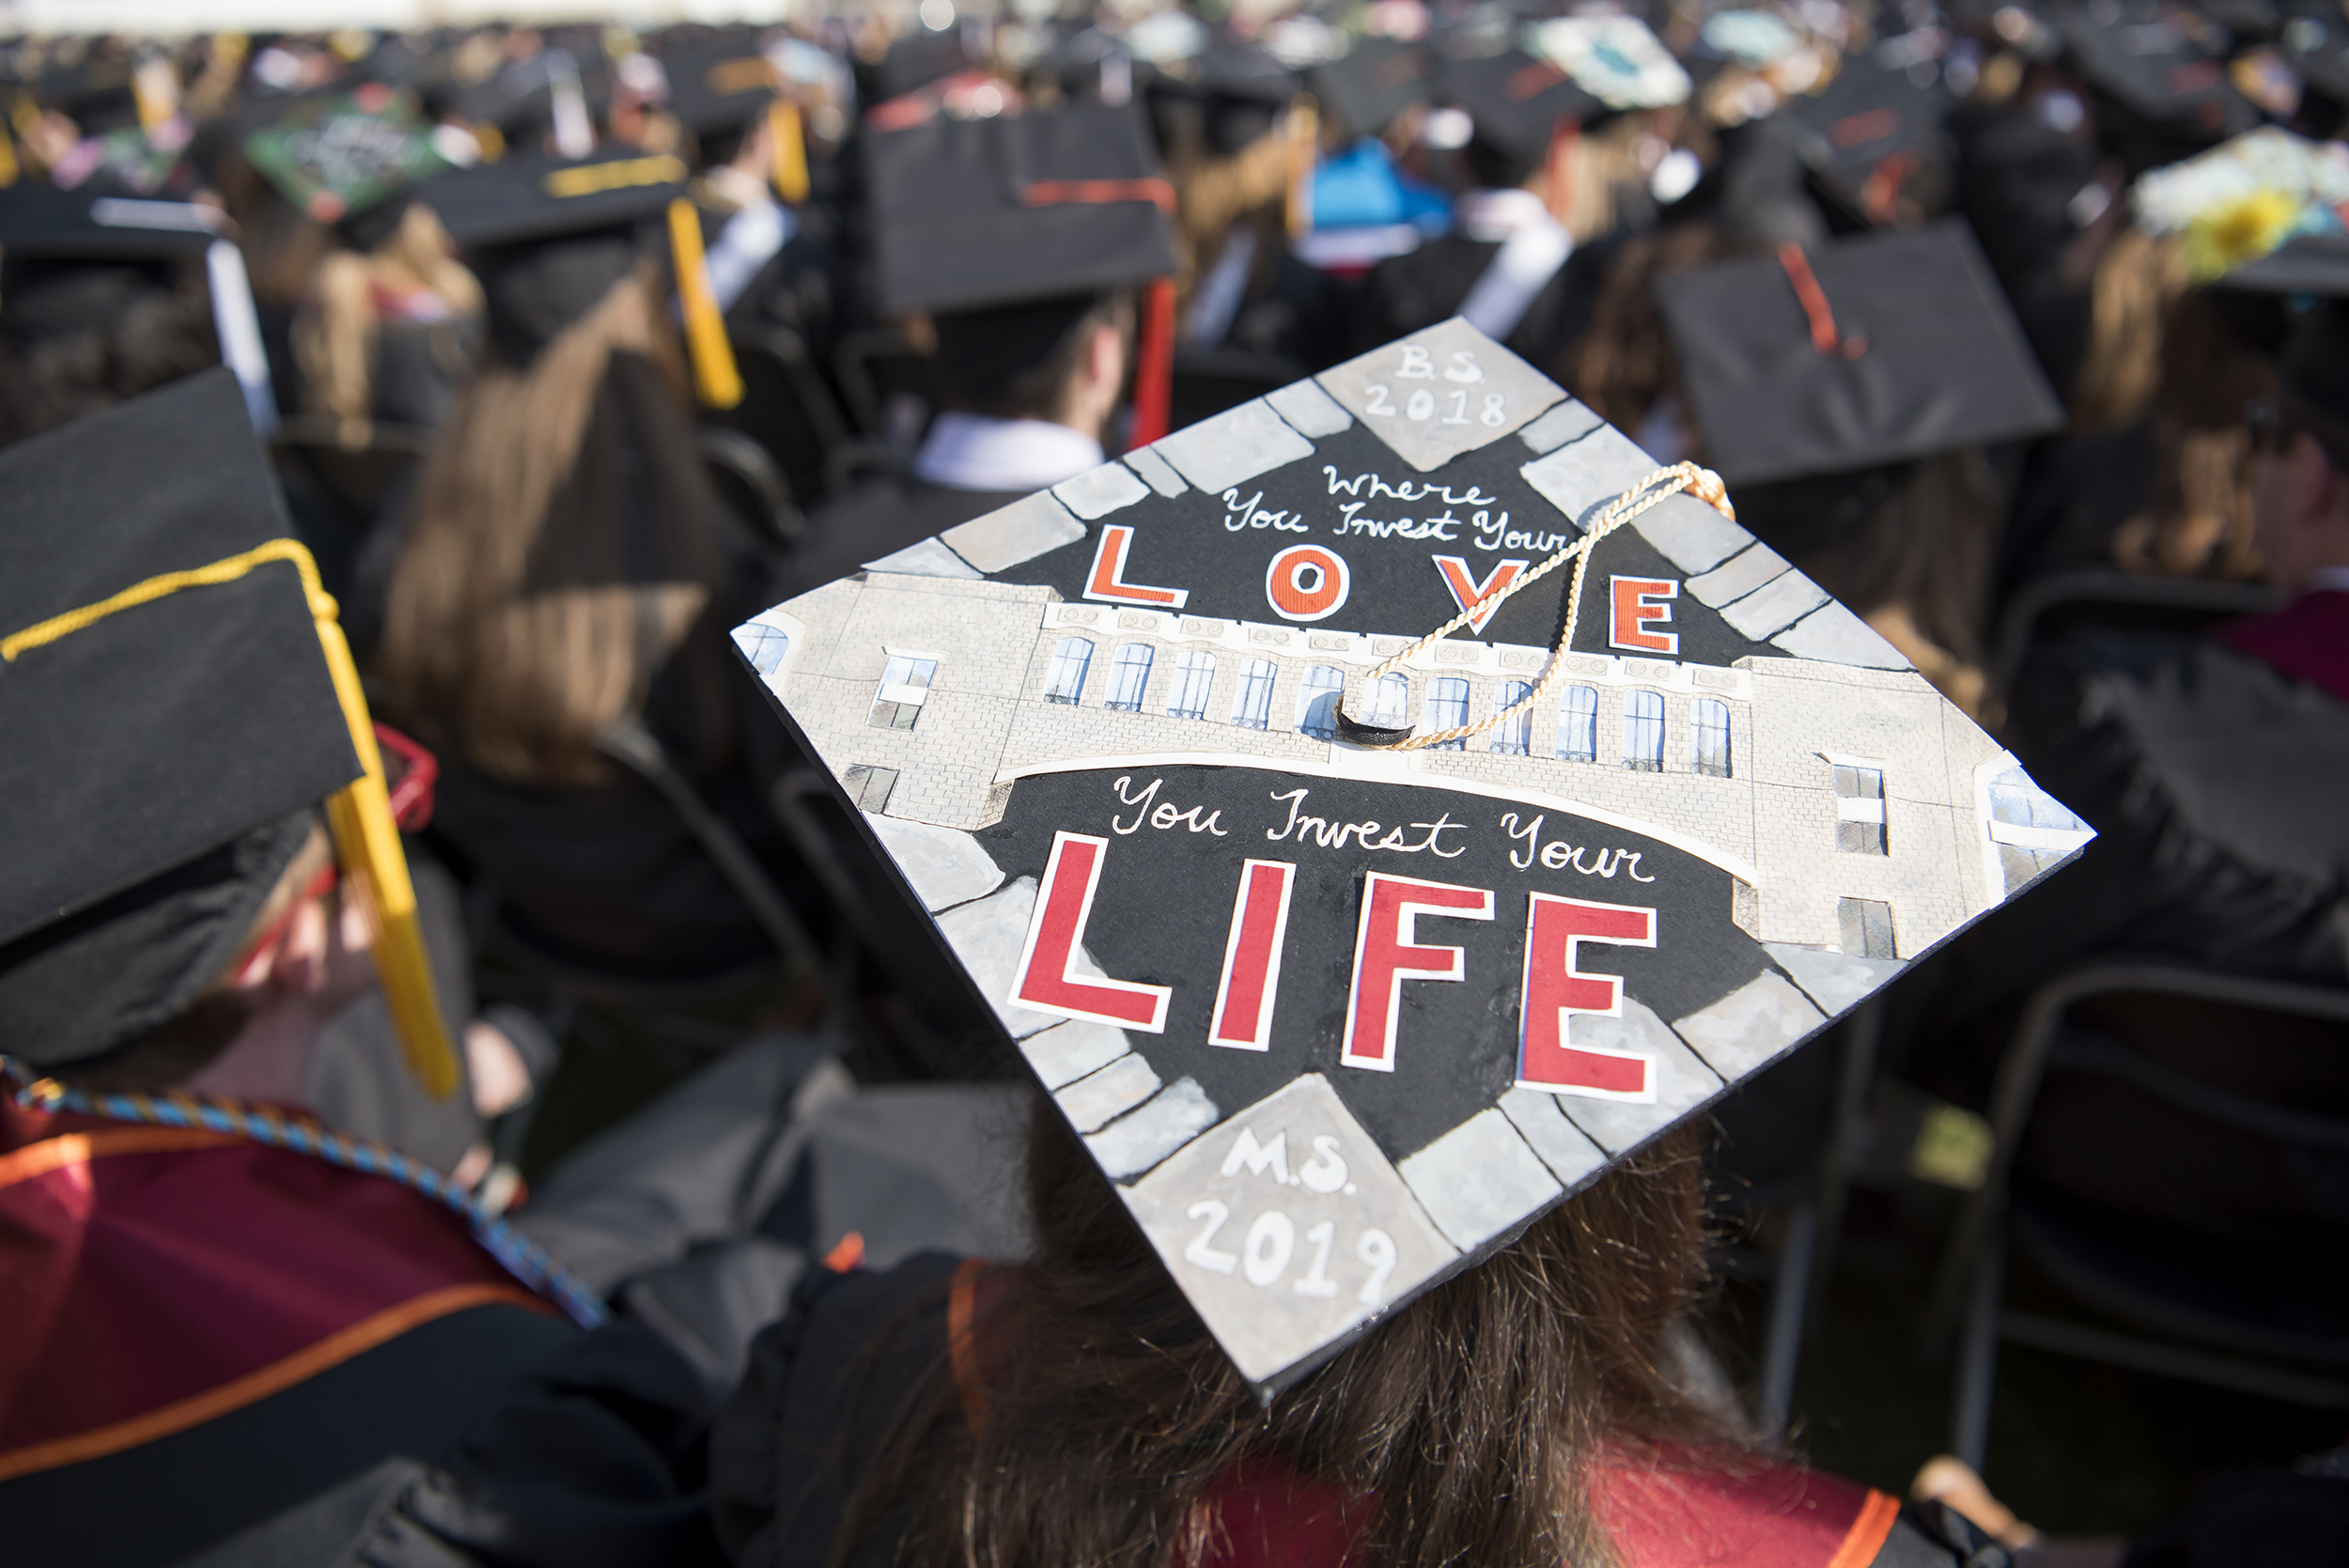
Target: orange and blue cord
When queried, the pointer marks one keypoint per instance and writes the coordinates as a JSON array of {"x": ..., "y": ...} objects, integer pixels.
[{"x": 515, "y": 1252}]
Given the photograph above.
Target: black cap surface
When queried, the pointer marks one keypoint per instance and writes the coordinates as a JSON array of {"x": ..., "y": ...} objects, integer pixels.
[
  {"x": 533, "y": 197},
  {"x": 1852, "y": 355},
  {"x": 155, "y": 755},
  {"x": 716, "y": 88},
  {"x": 1872, "y": 132},
  {"x": 973, "y": 213},
  {"x": 1516, "y": 100},
  {"x": 39, "y": 221},
  {"x": 1372, "y": 83}
]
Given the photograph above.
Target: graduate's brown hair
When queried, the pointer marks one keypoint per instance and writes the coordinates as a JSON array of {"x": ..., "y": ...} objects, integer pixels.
[
  {"x": 1467, "y": 1423},
  {"x": 540, "y": 586}
]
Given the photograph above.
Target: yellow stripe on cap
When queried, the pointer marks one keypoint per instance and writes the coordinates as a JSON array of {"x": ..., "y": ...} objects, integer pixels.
[
  {"x": 716, "y": 380},
  {"x": 790, "y": 136},
  {"x": 620, "y": 174},
  {"x": 366, "y": 841},
  {"x": 747, "y": 74}
]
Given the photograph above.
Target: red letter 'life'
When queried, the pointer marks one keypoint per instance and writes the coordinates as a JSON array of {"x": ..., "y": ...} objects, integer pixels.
[
  {"x": 1386, "y": 954},
  {"x": 1251, "y": 957},
  {"x": 1554, "y": 927},
  {"x": 1063, "y": 906}
]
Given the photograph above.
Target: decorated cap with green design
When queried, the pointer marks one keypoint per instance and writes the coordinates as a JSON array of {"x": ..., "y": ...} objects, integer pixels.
[{"x": 343, "y": 153}]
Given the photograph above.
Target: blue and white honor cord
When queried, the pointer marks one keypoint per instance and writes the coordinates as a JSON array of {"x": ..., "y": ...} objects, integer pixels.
[{"x": 522, "y": 1257}]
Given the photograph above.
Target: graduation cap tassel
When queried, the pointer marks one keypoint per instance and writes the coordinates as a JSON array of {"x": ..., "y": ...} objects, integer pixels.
[
  {"x": 1304, "y": 147},
  {"x": 1703, "y": 483},
  {"x": 789, "y": 135},
  {"x": 1154, "y": 362},
  {"x": 1560, "y": 164},
  {"x": 716, "y": 380}
]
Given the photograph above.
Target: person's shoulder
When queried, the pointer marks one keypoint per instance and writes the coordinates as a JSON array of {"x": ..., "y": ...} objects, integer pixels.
[{"x": 1745, "y": 1511}]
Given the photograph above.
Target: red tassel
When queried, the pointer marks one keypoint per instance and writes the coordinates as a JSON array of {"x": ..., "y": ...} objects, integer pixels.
[{"x": 1154, "y": 362}]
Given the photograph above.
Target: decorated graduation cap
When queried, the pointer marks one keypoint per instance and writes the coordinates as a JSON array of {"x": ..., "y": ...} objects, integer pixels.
[
  {"x": 179, "y": 701},
  {"x": 2236, "y": 203},
  {"x": 336, "y": 157},
  {"x": 1816, "y": 374},
  {"x": 1039, "y": 210},
  {"x": 1337, "y": 1020},
  {"x": 1616, "y": 59},
  {"x": 73, "y": 260},
  {"x": 1873, "y": 137},
  {"x": 548, "y": 237}
]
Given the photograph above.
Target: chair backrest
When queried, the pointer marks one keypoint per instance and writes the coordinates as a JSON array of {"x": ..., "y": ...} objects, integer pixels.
[
  {"x": 751, "y": 484},
  {"x": 2118, "y": 602}
]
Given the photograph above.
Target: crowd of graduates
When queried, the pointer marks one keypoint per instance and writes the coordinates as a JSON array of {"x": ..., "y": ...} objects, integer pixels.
[{"x": 573, "y": 347}]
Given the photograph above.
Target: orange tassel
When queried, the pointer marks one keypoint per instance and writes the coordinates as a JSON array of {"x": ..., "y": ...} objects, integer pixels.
[{"x": 1154, "y": 362}]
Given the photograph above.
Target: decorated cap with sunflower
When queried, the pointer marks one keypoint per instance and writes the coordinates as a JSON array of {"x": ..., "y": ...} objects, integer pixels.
[{"x": 2243, "y": 199}]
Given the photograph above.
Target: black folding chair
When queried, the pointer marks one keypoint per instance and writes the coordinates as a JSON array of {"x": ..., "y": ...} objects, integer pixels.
[
  {"x": 2117, "y": 601},
  {"x": 2257, "y": 1315}
]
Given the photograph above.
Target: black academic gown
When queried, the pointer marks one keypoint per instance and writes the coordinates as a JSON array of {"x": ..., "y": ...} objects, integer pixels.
[
  {"x": 2213, "y": 781},
  {"x": 798, "y": 291},
  {"x": 875, "y": 517}
]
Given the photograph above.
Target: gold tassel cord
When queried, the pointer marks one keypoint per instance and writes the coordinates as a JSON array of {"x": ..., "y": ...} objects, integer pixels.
[
  {"x": 789, "y": 134},
  {"x": 1701, "y": 481},
  {"x": 716, "y": 379},
  {"x": 366, "y": 841}
]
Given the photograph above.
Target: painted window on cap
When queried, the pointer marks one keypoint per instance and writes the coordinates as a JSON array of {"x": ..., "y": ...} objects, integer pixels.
[
  {"x": 1578, "y": 725},
  {"x": 1447, "y": 708},
  {"x": 1318, "y": 703},
  {"x": 1643, "y": 731},
  {"x": 1252, "y": 705},
  {"x": 1712, "y": 718},
  {"x": 1130, "y": 672},
  {"x": 1859, "y": 809},
  {"x": 1071, "y": 659},
  {"x": 905, "y": 686},
  {"x": 1514, "y": 736},
  {"x": 1195, "y": 675}
]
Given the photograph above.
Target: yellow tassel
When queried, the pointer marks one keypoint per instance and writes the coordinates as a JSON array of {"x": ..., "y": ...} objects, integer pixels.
[
  {"x": 1304, "y": 151},
  {"x": 716, "y": 380},
  {"x": 790, "y": 151},
  {"x": 9, "y": 170}
]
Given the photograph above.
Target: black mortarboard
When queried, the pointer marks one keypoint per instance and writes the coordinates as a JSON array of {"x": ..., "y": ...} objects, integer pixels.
[
  {"x": 717, "y": 87},
  {"x": 39, "y": 222},
  {"x": 2160, "y": 73},
  {"x": 2312, "y": 264},
  {"x": 1873, "y": 132},
  {"x": 910, "y": 64},
  {"x": 1517, "y": 103},
  {"x": 1371, "y": 84},
  {"x": 155, "y": 756},
  {"x": 1338, "y": 1024},
  {"x": 1242, "y": 91},
  {"x": 969, "y": 214},
  {"x": 533, "y": 197},
  {"x": 1857, "y": 354}
]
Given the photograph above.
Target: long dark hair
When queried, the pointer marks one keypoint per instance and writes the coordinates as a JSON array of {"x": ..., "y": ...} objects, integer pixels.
[
  {"x": 1468, "y": 1423},
  {"x": 539, "y": 590}
]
